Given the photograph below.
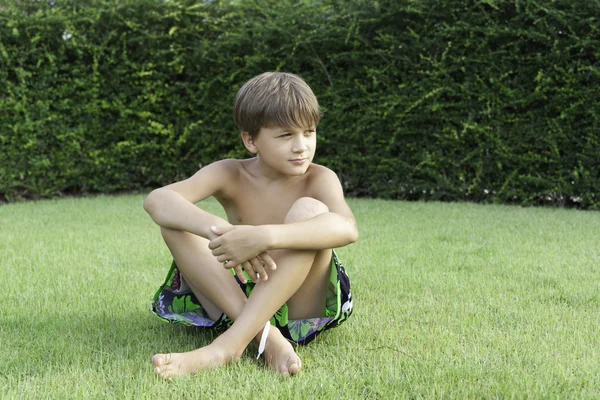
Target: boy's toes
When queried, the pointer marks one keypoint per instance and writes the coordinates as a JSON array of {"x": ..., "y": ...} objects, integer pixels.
[
  {"x": 161, "y": 359},
  {"x": 283, "y": 371},
  {"x": 165, "y": 372},
  {"x": 291, "y": 368},
  {"x": 162, "y": 365},
  {"x": 294, "y": 367},
  {"x": 158, "y": 360}
]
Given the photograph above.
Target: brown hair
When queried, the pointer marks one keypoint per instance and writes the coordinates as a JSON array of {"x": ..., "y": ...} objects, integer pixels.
[{"x": 275, "y": 99}]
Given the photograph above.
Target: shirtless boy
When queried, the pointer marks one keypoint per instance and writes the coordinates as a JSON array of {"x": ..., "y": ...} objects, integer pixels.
[{"x": 273, "y": 260}]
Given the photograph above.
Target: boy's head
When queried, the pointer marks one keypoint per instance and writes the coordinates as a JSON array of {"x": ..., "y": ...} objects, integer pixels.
[{"x": 275, "y": 99}]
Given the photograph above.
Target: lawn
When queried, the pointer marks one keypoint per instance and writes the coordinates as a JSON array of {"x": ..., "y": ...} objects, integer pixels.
[{"x": 451, "y": 300}]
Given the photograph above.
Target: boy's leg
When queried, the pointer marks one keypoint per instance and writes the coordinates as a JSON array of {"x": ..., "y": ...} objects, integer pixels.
[
  {"x": 214, "y": 286},
  {"x": 293, "y": 267},
  {"x": 309, "y": 300},
  {"x": 218, "y": 292}
]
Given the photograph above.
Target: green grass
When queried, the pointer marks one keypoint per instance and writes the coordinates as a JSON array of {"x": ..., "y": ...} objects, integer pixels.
[{"x": 451, "y": 300}]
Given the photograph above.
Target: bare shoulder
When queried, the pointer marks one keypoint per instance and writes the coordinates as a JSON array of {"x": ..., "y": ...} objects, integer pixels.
[
  {"x": 323, "y": 183},
  {"x": 321, "y": 175},
  {"x": 218, "y": 170},
  {"x": 212, "y": 179},
  {"x": 225, "y": 172},
  {"x": 228, "y": 166},
  {"x": 325, "y": 186}
]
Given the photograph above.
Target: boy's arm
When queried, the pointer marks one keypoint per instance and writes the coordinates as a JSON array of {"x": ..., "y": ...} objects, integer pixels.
[
  {"x": 329, "y": 230},
  {"x": 173, "y": 206},
  {"x": 332, "y": 229}
]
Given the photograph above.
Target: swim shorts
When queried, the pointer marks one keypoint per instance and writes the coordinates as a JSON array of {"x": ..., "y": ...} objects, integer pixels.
[{"x": 176, "y": 303}]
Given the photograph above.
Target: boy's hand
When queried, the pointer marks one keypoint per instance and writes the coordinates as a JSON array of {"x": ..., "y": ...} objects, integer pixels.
[{"x": 245, "y": 245}]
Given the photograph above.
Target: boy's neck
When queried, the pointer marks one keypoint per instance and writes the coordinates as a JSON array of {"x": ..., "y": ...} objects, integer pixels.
[{"x": 269, "y": 174}]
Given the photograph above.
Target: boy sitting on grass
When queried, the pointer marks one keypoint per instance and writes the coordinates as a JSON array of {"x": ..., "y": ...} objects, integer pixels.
[{"x": 285, "y": 215}]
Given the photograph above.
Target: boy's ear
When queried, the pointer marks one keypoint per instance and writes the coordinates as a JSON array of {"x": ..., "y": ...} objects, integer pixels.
[{"x": 249, "y": 142}]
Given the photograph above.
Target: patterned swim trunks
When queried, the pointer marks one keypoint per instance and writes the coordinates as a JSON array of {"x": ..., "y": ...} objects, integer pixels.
[{"x": 175, "y": 302}]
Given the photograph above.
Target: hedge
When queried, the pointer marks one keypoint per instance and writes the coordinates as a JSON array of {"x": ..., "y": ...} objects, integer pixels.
[{"x": 485, "y": 101}]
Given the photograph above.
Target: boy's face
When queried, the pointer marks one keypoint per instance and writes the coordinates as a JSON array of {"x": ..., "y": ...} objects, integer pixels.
[{"x": 286, "y": 150}]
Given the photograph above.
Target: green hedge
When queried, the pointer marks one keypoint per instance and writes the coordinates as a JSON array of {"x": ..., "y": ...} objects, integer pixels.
[{"x": 487, "y": 101}]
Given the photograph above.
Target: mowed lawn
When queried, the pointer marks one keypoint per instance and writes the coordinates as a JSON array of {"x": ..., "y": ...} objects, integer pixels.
[{"x": 451, "y": 301}]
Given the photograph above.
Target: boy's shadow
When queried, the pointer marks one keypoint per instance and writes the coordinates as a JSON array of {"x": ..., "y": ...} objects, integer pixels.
[{"x": 105, "y": 340}]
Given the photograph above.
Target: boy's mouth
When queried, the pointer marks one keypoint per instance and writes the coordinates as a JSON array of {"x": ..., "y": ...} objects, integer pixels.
[{"x": 299, "y": 160}]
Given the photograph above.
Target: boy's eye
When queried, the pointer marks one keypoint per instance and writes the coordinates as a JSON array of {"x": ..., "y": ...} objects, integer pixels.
[{"x": 285, "y": 135}]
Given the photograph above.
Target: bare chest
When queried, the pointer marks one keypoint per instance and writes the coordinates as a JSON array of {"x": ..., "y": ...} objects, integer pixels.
[{"x": 254, "y": 203}]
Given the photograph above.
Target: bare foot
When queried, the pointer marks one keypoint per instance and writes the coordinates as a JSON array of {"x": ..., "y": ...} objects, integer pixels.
[
  {"x": 280, "y": 355},
  {"x": 180, "y": 364}
]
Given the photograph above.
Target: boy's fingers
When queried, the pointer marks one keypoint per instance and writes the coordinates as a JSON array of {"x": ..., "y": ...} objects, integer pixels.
[
  {"x": 258, "y": 267},
  {"x": 240, "y": 273},
  {"x": 217, "y": 252},
  {"x": 250, "y": 270},
  {"x": 213, "y": 244},
  {"x": 268, "y": 260}
]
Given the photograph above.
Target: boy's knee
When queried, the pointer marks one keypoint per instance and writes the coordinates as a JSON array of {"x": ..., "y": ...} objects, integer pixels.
[
  {"x": 305, "y": 208},
  {"x": 168, "y": 233}
]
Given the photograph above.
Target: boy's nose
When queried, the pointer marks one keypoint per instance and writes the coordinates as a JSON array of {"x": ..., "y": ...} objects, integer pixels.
[{"x": 299, "y": 146}]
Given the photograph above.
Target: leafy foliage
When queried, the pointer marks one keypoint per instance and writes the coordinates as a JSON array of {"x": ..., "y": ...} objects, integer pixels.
[{"x": 487, "y": 101}]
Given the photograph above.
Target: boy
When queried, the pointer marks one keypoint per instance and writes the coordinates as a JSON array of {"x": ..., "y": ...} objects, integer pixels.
[{"x": 285, "y": 215}]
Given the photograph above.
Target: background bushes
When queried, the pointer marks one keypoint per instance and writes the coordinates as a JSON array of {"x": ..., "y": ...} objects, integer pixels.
[{"x": 446, "y": 100}]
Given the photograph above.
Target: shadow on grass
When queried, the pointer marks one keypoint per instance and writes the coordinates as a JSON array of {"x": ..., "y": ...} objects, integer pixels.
[{"x": 95, "y": 341}]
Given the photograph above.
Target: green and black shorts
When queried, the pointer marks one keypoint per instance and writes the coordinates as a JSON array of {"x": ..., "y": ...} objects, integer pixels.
[{"x": 175, "y": 302}]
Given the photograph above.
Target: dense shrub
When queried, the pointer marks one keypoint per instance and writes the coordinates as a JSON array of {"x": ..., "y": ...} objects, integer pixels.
[{"x": 449, "y": 100}]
